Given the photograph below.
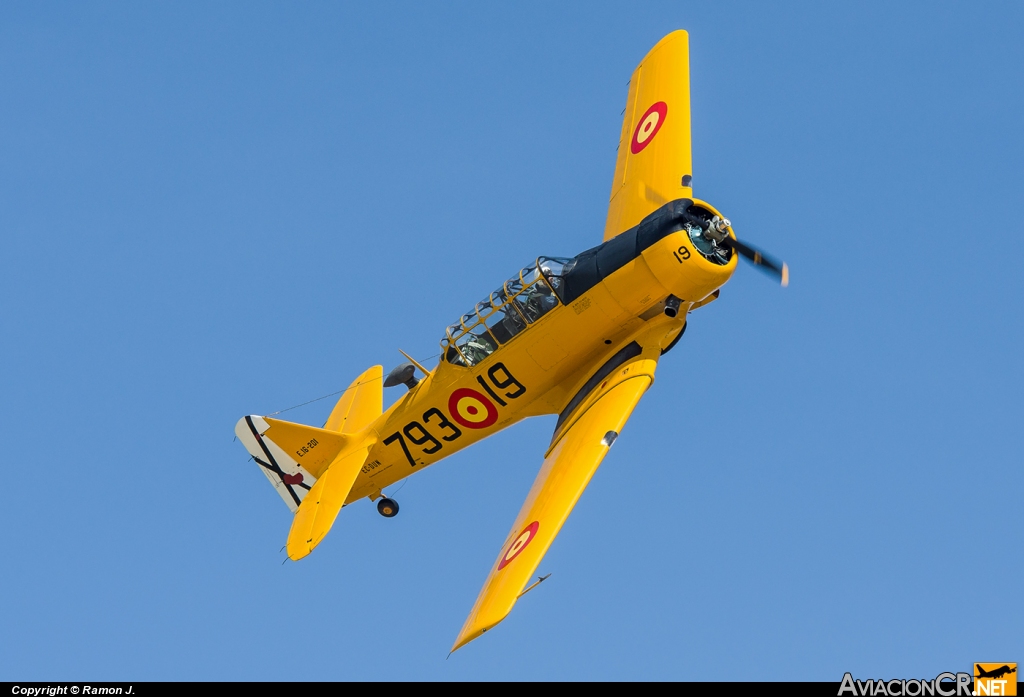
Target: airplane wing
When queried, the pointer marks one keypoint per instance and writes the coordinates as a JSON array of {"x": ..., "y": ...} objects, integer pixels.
[
  {"x": 654, "y": 164},
  {"x": 579, "y": 447}
]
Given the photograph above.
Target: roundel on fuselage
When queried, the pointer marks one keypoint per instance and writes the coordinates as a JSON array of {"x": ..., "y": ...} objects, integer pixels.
[{"x": 471, "y": 409}]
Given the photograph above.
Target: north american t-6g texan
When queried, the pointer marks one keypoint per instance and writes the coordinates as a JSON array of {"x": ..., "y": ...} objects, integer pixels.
[{"x": 578, "y": 337}]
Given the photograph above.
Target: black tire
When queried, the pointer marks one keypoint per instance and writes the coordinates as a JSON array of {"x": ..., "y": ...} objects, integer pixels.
[{"x": 387, "y": 507}]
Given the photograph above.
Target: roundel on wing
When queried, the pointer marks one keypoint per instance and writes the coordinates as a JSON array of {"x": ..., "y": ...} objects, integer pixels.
[
  {"x": 648, "y": 126},
  {"x": 519, "y": 544},
  {"x": 471, "y": 409}
]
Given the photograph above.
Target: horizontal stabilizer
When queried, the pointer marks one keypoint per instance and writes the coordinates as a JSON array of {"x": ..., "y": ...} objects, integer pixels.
[
  {"x": 312, "y": 448},
  {"x": 319, "y": 509}
]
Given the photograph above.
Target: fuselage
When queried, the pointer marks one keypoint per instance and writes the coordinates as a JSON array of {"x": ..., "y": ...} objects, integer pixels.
[{"x": 537, "y": 345}]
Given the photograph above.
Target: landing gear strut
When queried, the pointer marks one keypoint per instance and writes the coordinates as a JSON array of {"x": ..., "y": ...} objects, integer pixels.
[{"x": 387, "y": 507}]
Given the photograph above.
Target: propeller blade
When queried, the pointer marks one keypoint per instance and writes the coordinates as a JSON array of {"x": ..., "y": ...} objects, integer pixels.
[{"x": 758, "y": 258}]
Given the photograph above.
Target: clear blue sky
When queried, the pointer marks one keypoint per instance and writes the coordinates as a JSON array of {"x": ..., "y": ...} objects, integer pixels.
[{"x": 214, "y": 210}]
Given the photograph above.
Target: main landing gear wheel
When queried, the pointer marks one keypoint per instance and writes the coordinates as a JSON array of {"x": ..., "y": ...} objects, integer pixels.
[{"x": 387, "y": 507}]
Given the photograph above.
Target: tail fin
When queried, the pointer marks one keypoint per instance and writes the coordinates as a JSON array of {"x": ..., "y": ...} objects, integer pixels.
[
  {"x": 313, "y": 469},
  {"x": 360, "y": 404},
  {"x": 654, "y": 161},
  {"x": 314, "y": 489},
  {"x": 292, "y": 456}
]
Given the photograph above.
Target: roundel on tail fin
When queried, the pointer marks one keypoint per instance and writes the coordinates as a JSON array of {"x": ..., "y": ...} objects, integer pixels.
[{"x": 648, "y": 126}]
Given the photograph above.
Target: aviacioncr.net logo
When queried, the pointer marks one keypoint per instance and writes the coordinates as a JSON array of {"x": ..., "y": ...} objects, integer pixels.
[{"x": 943, "y": 685}]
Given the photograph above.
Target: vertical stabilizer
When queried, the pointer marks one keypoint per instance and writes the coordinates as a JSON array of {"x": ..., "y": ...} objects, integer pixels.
[
  {"x": 654, "y": 162},
  {"x": 360, "y": 404}
]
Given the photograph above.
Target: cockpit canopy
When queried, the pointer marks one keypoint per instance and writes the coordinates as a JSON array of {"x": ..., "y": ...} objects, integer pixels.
[
  {"x": 538, "y": 289},
  {"x": 521, "y": 301}
]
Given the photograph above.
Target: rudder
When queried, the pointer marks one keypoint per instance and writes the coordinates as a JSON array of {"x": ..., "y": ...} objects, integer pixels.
[{"x": 292, "y": 456}]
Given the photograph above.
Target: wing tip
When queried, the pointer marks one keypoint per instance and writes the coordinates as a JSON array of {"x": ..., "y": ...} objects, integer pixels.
[{"x": 464, "y": 639}]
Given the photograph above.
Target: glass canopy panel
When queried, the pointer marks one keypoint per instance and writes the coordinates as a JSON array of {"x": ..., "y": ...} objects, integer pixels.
[
  {"x": 536, "y": 301},
  {"x": 484, "y": 308},
  {"x": 452, "y": 355},
  {"x": 505, "y": 324},
  {"x": 476, "y": 344},
  {"x": 497, "y": 319},
  {"x": 513, "y": 286},
  {"x": 529, "y": 275},
  {"x": 553, "y": 269}
]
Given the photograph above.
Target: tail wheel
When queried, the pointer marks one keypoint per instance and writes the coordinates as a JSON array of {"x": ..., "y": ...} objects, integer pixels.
[{"x": 387, "y": 507}]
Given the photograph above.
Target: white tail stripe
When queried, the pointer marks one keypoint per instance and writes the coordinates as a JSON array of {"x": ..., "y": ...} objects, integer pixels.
[{"x": 289, "y": 479}]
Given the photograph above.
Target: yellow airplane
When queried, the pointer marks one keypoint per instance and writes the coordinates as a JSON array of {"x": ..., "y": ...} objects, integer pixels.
[{"x": 578, "y": 337}]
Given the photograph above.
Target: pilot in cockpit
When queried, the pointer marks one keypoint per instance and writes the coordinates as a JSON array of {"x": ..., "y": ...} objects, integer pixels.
[
  {"x": 497, "y": 319},
  {"x": 536, "y": 301},
  {"x": 478, "y": 347}
]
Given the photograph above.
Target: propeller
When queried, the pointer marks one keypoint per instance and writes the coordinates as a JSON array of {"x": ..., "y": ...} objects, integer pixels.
[{"x": 717, "y": 232}]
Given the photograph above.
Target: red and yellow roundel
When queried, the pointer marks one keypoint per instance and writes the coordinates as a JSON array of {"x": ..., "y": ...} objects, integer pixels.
[
  {"x": 471, "y": 409},
  {"x": 647, "y": 127},
  {"x": 525, "y": 537}
]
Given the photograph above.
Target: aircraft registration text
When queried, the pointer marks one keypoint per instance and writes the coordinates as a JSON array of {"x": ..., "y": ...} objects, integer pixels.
[{"x": 467, "y": 407}]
